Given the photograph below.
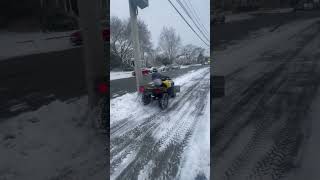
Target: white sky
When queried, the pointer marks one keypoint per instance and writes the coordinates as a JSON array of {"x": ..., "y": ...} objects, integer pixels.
[{"x": 160, "y": 13}]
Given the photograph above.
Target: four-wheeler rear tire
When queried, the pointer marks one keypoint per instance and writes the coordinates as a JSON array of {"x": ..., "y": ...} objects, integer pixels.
[
  {"x": 146, "y": 99},
  {"x": 164, "y": 101}
]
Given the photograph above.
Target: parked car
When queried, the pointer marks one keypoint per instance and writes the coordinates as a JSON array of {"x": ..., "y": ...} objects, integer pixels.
[
  {"x": 145, "y": 71},
  {"x": 76, "y": 37},
  {"x": 218, "y": 17},
  {"x": 152, "y": 69}
]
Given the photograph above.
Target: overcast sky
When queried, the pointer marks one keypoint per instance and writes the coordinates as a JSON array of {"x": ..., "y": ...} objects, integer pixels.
[{"x": 160, "y": 13}]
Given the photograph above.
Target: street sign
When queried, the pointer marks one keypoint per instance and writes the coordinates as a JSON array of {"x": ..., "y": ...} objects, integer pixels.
[{"x": 142, "y": 3}]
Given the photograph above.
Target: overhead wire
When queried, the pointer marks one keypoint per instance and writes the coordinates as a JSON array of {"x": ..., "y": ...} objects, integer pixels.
[
  {"x": 188, "y": 23},
  {"x": 188, "y": 14},
  {"x": 197, "y": 16}
]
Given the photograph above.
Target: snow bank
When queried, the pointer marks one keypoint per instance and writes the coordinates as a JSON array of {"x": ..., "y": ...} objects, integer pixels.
[
  {"x": 238, "y": 17},
  {"x": 187, "y": 66},
  {"x": 120, "y": 75},
  {"x": 196, "y": 158},
  {"x": 14, "y": 44},
  {"x": 245, "y": 16},
  {"x": 126, "y": 106},
  {"x": 236, "y": 56},
  {"x": 52, "y": 141},
  {"x": 272, "y": 11}
]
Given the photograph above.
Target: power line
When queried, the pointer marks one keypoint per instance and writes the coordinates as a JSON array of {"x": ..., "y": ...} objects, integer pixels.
[
  {"x": 184, "y": 8},
  {"x": 195, "y": 22},
  {"x": 194, "y": 14},
  {"x": 197, "y": 17},
  {"x": 188, "y": 23}
]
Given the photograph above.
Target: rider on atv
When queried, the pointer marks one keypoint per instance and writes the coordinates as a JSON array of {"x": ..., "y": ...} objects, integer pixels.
[
  {"x": 157, "y": 77},
  {"x": 164, "y": 81}
]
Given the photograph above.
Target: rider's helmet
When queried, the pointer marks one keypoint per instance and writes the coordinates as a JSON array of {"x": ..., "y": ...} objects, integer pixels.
[{"x": 154, "y": 70}]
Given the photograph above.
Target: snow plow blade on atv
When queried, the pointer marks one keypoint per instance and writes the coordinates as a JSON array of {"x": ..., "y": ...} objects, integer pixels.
[
  {"x": 161, "y": 93},
  {"x": 177, "y": 89}
]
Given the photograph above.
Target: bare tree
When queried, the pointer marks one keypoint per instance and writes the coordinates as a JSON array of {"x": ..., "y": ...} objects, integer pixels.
[
  {"x": 120, "y": 44},
  {"x": 169, "y": 43},
  {"x": 120, "y": 39},
  {"x": 190, "y": 53}
]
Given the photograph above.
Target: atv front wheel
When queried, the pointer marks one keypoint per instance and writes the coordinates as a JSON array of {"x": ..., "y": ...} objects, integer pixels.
[{"x": 164, "y": 101}]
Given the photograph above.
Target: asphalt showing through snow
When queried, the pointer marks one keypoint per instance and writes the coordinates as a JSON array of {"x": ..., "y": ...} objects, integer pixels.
[{"x": 259, "y": 127}]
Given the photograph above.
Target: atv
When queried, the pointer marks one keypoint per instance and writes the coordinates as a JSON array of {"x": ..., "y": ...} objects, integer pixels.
[{"x": 161, "y": 93}]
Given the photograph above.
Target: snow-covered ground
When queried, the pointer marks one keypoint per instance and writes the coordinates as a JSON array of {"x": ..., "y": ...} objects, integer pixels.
[
  {"x": 249, "y": 15},
  {"x": 187, "y": 66},
  {"x": 262, "y": 126},
  {"x": 148, "y": 143},
  {"x": 14, "y": 44},
  {"x": 271, "y": 11},
  {"x": 54, "y": 142},
  {"x": 309, "y": 156},
  {"x": 238, "y": 55},
  {"x": 120, "y": 75},
  {"x": 238, "y": 17}
]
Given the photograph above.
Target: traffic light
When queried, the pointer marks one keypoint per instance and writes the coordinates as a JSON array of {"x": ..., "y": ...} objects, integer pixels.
[{"x": 141, "y": 3}]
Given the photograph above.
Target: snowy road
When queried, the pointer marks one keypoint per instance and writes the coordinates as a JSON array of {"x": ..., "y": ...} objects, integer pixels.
[
  {"x": 147, "y": 143},
  {"x": 261, "y": 125}
]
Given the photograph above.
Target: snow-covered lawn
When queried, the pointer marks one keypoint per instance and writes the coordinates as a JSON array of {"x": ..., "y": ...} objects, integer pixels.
[
  {"x": 120, "y": 75},
  {"x": 53, "y": 142},
  {"x": 14, "y": 44}
]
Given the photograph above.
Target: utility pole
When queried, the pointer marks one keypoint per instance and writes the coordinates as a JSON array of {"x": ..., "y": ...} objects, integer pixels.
[
  {"x": 94, "y": 60},
  {"x": 133, "y": 7}
]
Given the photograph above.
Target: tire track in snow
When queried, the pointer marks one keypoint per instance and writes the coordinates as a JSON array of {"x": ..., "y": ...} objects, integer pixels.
[
  {"x": 142, "y": 139},
  {"x": 272, "y": 108}
]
